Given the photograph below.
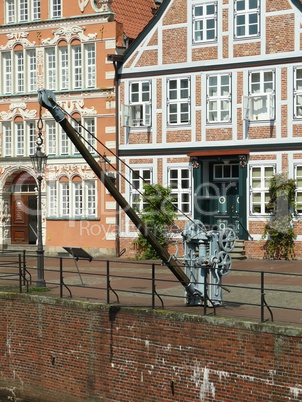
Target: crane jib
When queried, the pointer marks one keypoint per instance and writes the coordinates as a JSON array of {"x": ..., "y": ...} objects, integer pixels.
[{"x": 46, "y": 99}]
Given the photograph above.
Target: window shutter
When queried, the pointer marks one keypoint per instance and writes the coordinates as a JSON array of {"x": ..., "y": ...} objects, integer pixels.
[
  {"x": 147, "y": 114},
  {"x": 246, "y": 108},
  {"x": 126, "y": 115},
  {"x": 271, "y": 106}
]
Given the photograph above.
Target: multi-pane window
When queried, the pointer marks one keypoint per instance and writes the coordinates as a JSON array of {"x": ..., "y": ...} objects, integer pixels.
[
  {"x": 70, "y": 67},
  {"x": 19, "y": 138},
  {"x": 56, "y": 11},
  {"x": 179, "y": 180},
  {"x": 90, "y": 134},
  {"x": 22, "y": 10},
  {"x": 298, "y": 177},
  {"x": 138, "y": 179},
  {"x": 138, "y": 112},
  {"x": 204, "y": 22},
  {"x": 298, "y": 93},
  {"x": 247, "y": 18},
  {"x": 89, "y": 191},
  {"x": 64, "y": 199},
  {"x": 260, "y": 178},
  {"x": 52, "y": 198},
  {"x": 219, "y": 98},
  {"x": 260, "y": 104},
  {"x": 89, "y": 51},
  {"x": 32, "y": 71},
  {"x": 58, "y": 143},
  {"x": 77, "y": 64},
  {"x": 19, "y": 71},
  {"x": 178, "y": 102},
  {"x": 77, "y": 198}
]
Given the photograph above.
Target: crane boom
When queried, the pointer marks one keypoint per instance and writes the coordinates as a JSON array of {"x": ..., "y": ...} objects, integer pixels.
[{"x": 46, "y": 99}]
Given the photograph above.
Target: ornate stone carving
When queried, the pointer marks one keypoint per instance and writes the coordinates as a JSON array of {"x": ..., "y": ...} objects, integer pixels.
[
  {"x": 55, "y": 172},
  {"x": 17, "y": 37},
  {"x": 68, "y": 32},
  {"x": 242, "y": 161},
  {"x": 18, "y": 109},
  {"x": 102, "y": 6},
  {"x": 83, "y": 4},
  {"x": 74, "y": 105}
]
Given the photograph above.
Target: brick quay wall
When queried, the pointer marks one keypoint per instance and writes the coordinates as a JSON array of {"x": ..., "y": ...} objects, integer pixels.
[{"x": 66, "y": 350}]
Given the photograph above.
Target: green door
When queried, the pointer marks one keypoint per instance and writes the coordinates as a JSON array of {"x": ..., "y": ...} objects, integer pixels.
[{"x": 227, "y": 206}]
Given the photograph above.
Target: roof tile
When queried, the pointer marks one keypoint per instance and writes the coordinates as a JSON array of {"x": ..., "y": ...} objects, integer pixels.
[{"x": 134, "y": 15}]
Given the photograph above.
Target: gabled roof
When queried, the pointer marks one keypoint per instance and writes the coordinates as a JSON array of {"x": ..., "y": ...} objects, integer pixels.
[{"x": 134, "y": 15}]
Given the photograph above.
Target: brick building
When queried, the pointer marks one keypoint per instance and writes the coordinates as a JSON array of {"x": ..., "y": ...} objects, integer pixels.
[
  {"x": 211, "y": 105},
  {"x": 61, "y": 45}
]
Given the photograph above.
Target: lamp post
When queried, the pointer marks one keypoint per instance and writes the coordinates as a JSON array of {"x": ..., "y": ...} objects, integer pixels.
[{"x": 39, "y": 160}]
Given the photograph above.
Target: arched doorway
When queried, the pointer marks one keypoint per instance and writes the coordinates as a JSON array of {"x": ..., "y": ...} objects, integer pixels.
[{"x": 23, "y": 209}]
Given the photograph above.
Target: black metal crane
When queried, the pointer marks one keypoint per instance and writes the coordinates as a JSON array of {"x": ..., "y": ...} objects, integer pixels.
[{"x": 46, "y": 99}]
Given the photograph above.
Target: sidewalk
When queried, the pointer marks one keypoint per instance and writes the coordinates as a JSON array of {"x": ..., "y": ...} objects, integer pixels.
[{"x": 131, "y": 285}]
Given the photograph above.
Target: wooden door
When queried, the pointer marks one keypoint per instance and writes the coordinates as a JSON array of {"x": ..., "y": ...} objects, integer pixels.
[{"x": 19, "y": 219}]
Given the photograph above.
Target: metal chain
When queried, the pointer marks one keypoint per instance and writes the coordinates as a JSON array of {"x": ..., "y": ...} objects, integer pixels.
[{"x": 40, "y": 122}]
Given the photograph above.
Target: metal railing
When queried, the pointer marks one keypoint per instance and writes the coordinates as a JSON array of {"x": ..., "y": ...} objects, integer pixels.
[{"x": 258, "y": 295}]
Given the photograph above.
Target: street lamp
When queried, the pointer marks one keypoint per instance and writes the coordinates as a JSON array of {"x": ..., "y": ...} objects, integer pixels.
[{"x": 39, "y": 160}]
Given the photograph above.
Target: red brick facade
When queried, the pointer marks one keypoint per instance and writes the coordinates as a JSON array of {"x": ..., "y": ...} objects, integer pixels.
[
  {"x": 69, "y": 351},
  {"x": 263, "y": 121}
]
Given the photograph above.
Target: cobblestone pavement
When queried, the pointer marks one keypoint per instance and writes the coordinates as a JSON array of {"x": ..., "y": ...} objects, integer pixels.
[{"x": 131, "y": 284}]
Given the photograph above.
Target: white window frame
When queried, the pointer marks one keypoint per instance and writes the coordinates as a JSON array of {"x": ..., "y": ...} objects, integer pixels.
[
  {"x": 77, "y": 199},
  {"x": 259, "y": 105},
  {"x": 298, "y": 195},
  {"x": 19, "y": 138},
  {"x": 204, "y": 22},
  {"x": 7, "y": 139},
  {"x": 139, "y": 177},
  {"x": 180, "y": 182},
  {"x": 56, "y": 8},
  {"x": 22, "y": 11},
  {"x": 50, "y": 62},
  {"x": 246, "y": 19},
  {"x": 219, "y": 100},
  {"x": 178, "y": 101},
  {"x": 259, "y": 188},
  {"x": 19, "y": 71},
  {"x": 77, "y": 189},
  {"x": 64, "y": 197},
  {"x": 52, "y": 204},
  {"x": 138, "y": 112},
  {"x": 58, "y": 143},
  {"x": 298, "y": 92},
  {"x": 90, "y": 198},
  {"x": 70, "y": 67}
]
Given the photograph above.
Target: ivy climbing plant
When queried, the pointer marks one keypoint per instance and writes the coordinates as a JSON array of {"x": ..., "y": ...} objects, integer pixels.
[
  {"x": 279, "y": 230},
  {"x": 158, "y": 214}
]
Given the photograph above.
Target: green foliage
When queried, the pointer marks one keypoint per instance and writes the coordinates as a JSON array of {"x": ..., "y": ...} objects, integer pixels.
[
  {"x": 280, "y": 232},
  {"x": 158, "y": 215}
]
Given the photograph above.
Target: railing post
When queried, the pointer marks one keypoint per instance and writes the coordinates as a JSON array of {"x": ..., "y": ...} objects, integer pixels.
[
  {"x": 24, "y": 266},
  {"x": 20, "y": 273},
  {"x": 108, "y": 281},
  {"x": 205, "y": 292},
  {"x": 61, "y": 277},
  {"x": 153, "y": 286},
  {"x": 262, "y": 296}
]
